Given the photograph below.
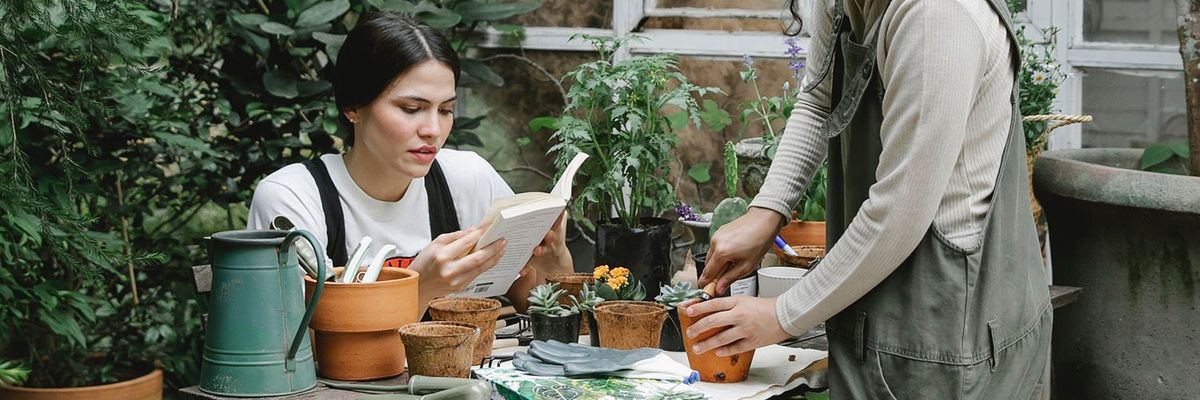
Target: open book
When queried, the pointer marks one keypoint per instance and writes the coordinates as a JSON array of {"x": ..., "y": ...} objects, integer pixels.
[{"x": 524, "y": 220}]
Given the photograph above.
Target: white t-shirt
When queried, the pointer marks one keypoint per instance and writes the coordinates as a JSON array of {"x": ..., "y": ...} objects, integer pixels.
[{"x": 292, "y": 192}]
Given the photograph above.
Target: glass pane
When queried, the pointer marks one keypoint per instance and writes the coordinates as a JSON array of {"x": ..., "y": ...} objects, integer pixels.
[
  {"x": 1133, "y": 109},
  {"x": 1130, "y": 21}
]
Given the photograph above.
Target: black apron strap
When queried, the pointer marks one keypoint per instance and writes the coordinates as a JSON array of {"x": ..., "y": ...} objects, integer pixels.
[
  {"x": 335, "y": 226},
  {"x": 442, "y": 216}
]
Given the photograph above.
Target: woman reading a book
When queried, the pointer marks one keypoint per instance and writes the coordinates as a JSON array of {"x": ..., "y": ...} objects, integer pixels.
[{"x": 395, "y": 84}]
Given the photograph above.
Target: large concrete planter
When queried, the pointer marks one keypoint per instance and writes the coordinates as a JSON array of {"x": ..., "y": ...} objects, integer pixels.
[{"x": 1131, "y": 239}]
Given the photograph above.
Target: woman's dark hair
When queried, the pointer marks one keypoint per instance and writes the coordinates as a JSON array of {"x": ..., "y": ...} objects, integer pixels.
[
  {"x": 381, "y": 47},
  {"x": 796, "y": 25}
]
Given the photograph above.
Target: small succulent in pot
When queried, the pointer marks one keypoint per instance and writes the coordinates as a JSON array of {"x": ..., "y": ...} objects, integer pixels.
[
  {"x": 671, "y": 338},
  {"x": 551, "y": 320},
  {"x": 617, "y": 284}
]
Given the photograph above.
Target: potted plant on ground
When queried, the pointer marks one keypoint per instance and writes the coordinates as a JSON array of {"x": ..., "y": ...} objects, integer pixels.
[
  {"x": 618, "y": 111},
  {"x": 549, "y": 319},
  {"x": 671, "y": 296},
  {"x": 1129, "y": 238}
]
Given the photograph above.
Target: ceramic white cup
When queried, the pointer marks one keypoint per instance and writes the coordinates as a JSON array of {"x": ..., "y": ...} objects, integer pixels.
[{"x": 773, "y": 281}]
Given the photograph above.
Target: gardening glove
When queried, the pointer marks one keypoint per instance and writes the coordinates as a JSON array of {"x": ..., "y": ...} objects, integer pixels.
[{"x": 554, "y": 358}]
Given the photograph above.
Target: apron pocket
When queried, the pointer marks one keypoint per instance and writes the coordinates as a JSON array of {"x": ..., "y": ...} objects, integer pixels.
[{"x": 903, "y": 378}]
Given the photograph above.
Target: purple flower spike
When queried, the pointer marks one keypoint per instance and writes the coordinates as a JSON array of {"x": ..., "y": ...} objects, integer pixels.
[{"x": 748, "y": 61}]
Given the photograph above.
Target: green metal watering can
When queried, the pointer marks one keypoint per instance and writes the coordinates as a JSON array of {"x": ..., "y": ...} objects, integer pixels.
[{"x": 256, "y": 344}]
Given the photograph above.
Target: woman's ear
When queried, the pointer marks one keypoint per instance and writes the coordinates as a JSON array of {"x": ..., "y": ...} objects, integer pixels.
[{"x": 351, "y": 115}]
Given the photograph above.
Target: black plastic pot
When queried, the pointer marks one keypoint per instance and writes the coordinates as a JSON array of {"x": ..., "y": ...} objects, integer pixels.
[
  {"x": 644, "y": 250},
  {"x": 563, "y": 328},
  {"x": 671, "y": 338},
  {"x": 593, "y": 329}
]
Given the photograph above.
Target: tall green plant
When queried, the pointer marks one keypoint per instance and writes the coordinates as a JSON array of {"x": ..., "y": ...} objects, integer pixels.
[{"x": 621, "y": 114}]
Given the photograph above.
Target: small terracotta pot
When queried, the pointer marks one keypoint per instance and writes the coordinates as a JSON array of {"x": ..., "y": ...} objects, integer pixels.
[
  {"x": 439, "y": 348},
  {"x": 713, "y": 368},
  {"x": 476, "y": 311},
  {"x": 145, "y": 387},
  {"x": 573, "y": 284},
  {"x": 803, "y": 233},
  {"x": 630, "y": 324},
  {"x": 356, "y": 324}
]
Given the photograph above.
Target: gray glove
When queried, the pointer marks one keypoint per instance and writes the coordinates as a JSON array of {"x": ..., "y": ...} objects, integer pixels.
[{"x": 555, "y": 358}]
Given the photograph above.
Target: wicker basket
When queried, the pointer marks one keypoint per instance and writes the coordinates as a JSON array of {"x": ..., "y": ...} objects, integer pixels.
[{"x": 1032, "y": 153}]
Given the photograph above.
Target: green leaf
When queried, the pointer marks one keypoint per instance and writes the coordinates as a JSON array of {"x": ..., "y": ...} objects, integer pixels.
[
  {"x": 64, "y": 325},
  {"x": 280, "y": 84},
  {"x": 479, "y": 11},
  {"x": 677, "y": 120},
  {"x": 539, "y": 123},
  {"x": 700, "y": 172},
  {"x": 714, "y": 116},
  {"x": 322, "y": 12},
  {"x": 400, "y": 6},
  {"x": 309, "y": 88},
  {"x": 1155, "y": 154},
  {"x": 276, "y": 28},
  {"x": 251, "y": 21},
  {"x": 440, "y": 18},
  {"x": 481, "y": 72}
]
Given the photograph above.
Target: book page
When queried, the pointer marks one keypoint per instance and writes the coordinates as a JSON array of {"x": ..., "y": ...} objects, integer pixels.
[
  {"x": 562, "y": 188},
  {"x": 524, "y": 227}
]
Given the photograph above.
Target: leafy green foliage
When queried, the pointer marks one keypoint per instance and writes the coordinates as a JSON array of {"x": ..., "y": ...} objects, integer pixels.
[
  {"x": 543, "y": 299},
  {"x": 617, "y": 113},
  {"x": 812, "y": 205},
  {"x": 701, "y": 172},
  {"x": 671, "y": 296},
  {"x": 1166, "y": 158},
  {"x": 128, "y": 133},
  {"x": 1039, "y": 79},
  {"x": 12, "y": 373}
]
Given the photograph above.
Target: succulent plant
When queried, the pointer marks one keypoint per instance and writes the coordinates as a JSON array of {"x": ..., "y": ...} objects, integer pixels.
[
  {"x": 543, "y": 299},
  {"x": 671, "y": 296},
  {"x": 587, "y": 299}
]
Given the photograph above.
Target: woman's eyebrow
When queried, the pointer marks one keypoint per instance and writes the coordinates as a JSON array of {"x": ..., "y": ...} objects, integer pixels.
[{"x": 427, "y": 101}]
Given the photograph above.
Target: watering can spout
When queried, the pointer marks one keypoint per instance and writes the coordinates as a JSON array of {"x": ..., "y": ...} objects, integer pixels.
[{"x": 256, "y": 342}]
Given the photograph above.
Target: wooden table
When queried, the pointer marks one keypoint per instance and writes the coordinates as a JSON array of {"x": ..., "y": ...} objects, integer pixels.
[{"x": 813, "y": 339}]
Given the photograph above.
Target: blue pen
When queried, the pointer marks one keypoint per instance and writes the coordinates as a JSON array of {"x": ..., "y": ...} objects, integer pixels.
[{"x": 782, "y": 245}]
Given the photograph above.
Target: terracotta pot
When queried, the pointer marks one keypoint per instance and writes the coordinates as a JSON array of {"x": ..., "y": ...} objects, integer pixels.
[
  {"x": 804, "y": 255},
  {"x": 563, "y": 328},
  {"x": 439, "y": 348},
  {"x": 803, "y": 233},
  {"x": 573, "y": 284},
  {"x": 145, "y": 387},
  {"x": 476, "y": 311},
  {"x": 630, "y": 324},
  {"x": 356, "y": 324},
  {"x": 713, "y": 368}
]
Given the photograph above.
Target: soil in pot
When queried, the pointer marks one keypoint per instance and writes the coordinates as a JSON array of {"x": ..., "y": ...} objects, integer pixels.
[
  {"x": 563, "y": 328},
  {"x": 439, "y": 348},
  {"x": 805, "y": 255},
  {"x": 476, "y": 311},
  {"x": 573, "y": 284},
  {"x": 644, "y": 250},
  {"x": 356, "y": 324},
  {"x": 145, "y": 387},
  {"x": 630, "y": 324},
  {"x": 671, "y": 338},
  {"x": 713, "y": 368}
]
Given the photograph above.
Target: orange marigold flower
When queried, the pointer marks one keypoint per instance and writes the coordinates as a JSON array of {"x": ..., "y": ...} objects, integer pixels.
[
  {"x": 600, "y": 271},
  {"x": 614, "y": 285},
  {"x": 620, "y": 271}
]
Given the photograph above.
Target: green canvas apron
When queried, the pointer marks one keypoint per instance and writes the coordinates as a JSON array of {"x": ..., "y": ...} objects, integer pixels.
[{"x": 949, "y": 323}]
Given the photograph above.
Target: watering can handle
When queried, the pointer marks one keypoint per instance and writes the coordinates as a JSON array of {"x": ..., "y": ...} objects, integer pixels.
[{"x": 316, "y": 295}]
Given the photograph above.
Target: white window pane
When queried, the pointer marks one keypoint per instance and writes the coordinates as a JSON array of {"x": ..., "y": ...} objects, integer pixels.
[
  {"x": 1133, "y": 108},
  {"x": 1130, "y": 21}
]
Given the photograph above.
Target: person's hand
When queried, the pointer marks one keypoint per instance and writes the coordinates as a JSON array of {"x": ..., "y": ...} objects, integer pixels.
[
  {"x": 737, "y": 248},
  {"x": 551, "y": 255},
  {"x": 748, "y": 322},
  {"x": 445, "y": 266}
]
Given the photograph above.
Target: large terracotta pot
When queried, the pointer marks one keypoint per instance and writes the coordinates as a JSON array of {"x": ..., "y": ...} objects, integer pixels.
[
  {"x": 804, "y": 233},
  {"x": 630, "y": 324},
  {"x": 356, "y": 324},
  {"x": 146, "y": 387},
  {"x": 573, "y": 284},
  {"x": 440, "y": 348},
  {"x": 472, "y": 310},
  {"x": 713, "y": 368}
]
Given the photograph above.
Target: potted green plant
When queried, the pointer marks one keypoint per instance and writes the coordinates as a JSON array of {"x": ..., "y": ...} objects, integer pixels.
[
  {"x": 618, "y": 112},
  {"x": 768, "y": 113},
  {"x": 1128, "y": 237},
  {"x": 671, "y": 296},
  {"x": 586, "y": 304},
  {"x": 549, "y": 319}
]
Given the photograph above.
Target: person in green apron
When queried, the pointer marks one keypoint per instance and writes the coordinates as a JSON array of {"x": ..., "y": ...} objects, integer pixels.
[{"x": 933, "y": 286}]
